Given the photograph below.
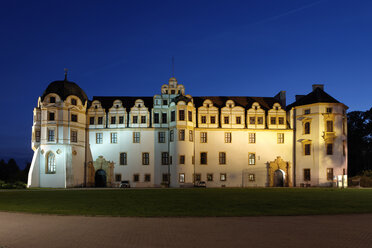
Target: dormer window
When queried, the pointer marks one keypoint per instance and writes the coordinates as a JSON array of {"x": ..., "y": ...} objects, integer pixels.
[
  {"x": 143, "y": 119},
  {"x": 74, "y": 118},
  {"x": 51, "y": 116},
  {"x": 73, "y": 101},
  {"x": 281, "y": 120},
  {"x": 276, "y": 108},
  {"x": 306, "y": 111},
  {"x": 173, "y": 92},
  {"x": 165, "y": 102},
  {"x": 52, "y": 99},
  {"x": 95, "y": 107},
  {"x": 329, "y": 110}
]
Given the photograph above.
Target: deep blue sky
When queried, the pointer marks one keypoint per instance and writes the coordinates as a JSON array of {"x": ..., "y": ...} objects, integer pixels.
[{"x": 252, "y": 48}]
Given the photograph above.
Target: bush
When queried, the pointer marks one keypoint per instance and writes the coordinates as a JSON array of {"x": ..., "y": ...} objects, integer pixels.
[{"x": 15, "y": 185}]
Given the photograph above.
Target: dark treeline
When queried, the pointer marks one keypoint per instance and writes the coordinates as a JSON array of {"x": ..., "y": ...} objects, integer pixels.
[
  {"x": 359, "y": 142},
  {"x": 10, "y": 172}
]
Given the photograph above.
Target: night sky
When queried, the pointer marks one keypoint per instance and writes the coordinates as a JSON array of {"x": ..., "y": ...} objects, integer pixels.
[{"x": 245, "y": 48}]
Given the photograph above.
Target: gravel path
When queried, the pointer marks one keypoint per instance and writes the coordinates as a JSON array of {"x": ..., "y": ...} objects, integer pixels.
[{"x": 51, "y": 231}]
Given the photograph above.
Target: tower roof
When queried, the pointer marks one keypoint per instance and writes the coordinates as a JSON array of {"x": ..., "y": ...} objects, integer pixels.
[
  {"x": 64, "y": 89},
  {"x": 318, "y": 95}
]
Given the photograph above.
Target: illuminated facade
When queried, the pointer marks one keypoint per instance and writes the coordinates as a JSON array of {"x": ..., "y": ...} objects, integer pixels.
[{"x": 173, "y": 139}]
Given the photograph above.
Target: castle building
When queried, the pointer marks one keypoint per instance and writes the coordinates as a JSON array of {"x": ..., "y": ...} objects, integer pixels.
[{"x": 176, "y": 140}]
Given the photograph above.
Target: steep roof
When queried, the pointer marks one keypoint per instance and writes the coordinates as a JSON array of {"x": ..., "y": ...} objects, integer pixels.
[
  {"x": 316, "y": 96},
  {"x": 64, "y": 89},
  {"x": 128, "y": 101}
]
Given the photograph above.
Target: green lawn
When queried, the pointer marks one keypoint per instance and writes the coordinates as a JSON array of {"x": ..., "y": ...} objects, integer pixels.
[{"x": 189, "y": 202}]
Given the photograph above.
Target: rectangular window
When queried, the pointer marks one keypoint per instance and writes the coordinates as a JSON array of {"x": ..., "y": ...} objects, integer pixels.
[
  {"x": 252, "y": 138},
  {"x": 156, "y": 118},
  {"x": 143, "y": 119},
  {"x": 329, "y": 174},
  {"x": 191, "y": 135},
  {"x": 203, "y": 119},
  {"x": 197, "y": 177},
  {"x": 73, "y": 102},
  {"x": 280, "y": 138},
  {"x": 203, "y": 137},
  {"x": 307, "y": 175},
  {"x": 164, "y": 118},
  {"x": 113, "y": 119},
  {"x": 213, "y": 119},
  {"x": 52, "y": 99},
  {"x": 74, "y": 136},
  {"x": 171, "y": 135},
  {"x": 251, "y": 158},
  {"x": 252, "y": 177},
  {"x": 226, "y": 120},
  {"x": 135, "y": 119},
  {"x": 281, "y": 120},
  {"x": 190, "y": 115},
  {"x": 164, "y": 158},
  {"x": 170, "y": 160},
  {"x": 165, "y": 102},
  {"x": 329, "y": 126},
  {"x": 252, "y": 120},
  {"x": 344, "y": 148},
  {"x": 181, "y": 135},
  {"x": 260, "y": 120},
  {"x": 307, "y": 128},
  {"x": 181, "y": 177},
  {"x": 306, "y": 111},
  {"x": 181, "y": 115},
  {"x": 145, "y": 158},
  {"x": 210, "y": 177},
  {"x": 223, "y": 177},
  {"x": 182, "y": 159},
  {"x": 273, "y": 120},
  {"x": 227, "y": 137},
  {"x": 117, "y": 177},
  {"x": 136, "y": 178},
  {"x": 74, "y": 118},
  {"x": 329, "y": 148},
  {"x": 91, "y": 120},
  {"x": 121, "y": 119},
  {"x": 50, "y": 135},
  {"x": 222, "y": 157},
  {"x": 136, "y": 137},
  {"x": 203, "y": 158},
  {"x": 147, "y": 177},
  {"x": 114, "y": 138},
  {"x": 37, "y": 136},
  {"x": 100, "y": 120},
  {"x": 307, "y": 148},
  {"x": 238, "y": 120},
  {"x": 329, "y": 110},
  {"x": 50, "y": 116},
  {"x": 123, "y": 158},
  {"x": 99, "y": 138},
  {"x": 173, "y": 116},
  {"x": 165, "y": 178},
  {"x": 161, "y": 137}
]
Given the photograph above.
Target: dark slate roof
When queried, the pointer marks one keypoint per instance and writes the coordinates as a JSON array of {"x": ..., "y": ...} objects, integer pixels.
[
  {"x": 316, "y": 96},
  {"x": 64, "y": 89},
  {"x": 128, "y": 101}
]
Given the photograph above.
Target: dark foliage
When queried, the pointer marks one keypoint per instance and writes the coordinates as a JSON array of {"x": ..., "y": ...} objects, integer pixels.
[{"x": 10, "y": 172}]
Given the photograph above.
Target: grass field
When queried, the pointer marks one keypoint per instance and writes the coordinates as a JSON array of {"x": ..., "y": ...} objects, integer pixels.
[{"x": 189, "y": 202}]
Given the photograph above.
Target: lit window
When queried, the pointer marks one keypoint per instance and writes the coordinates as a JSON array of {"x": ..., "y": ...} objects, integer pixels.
[
  {"x": 203, "y": 158},
  {"x": 181, "y": 115},
  {"x": 136, "y": 137},
  {"x": 123, "y": 158},
  {"x": 50, "y": 135},
  {"x": 280, "y": 138},
  {"x": 252, "y": 177},
  {"x": 251, "y": 158},
  {"x": 329, "y": 174},
  {"x": 181, "y": 135},
  {"x": 145, "y": 158},
  {"x": 203, "y": 137},
  {"x": 114, "y": 138},
  {"x": 222, "y": 157},
  {"x": 74, "y": 136},
  {"x": 164, "y": 158},
  {"x": 252, "y": 138},
  {"x": 51, "y": 163},
  {"x": 182, "y": 177},
  {"x": 182, "y": 159},
  {"x": 99, "y": 138},
  {"x": 223, "y": 177},
  {"x": 307, "y": 175},
  {"x": 227, "y": 137},
  {"x": 161, "y": 137}
]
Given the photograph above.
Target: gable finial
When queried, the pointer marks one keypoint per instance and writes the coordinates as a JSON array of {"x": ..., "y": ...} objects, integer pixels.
[{"x": 66, "y": 70}]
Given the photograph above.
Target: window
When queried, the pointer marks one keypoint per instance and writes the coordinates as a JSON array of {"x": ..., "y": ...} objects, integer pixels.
[
  {"x": 209, "y": 177},
  {"x": 114, "y": 138},
  {"x": 165, "y": 177},
  {"x": 238, "y": 120},
  {"x": 203, "y": 119},
  {"x": 171, "y": 136},
  {"x": 73, "y": 101},
  {"x": 37, "y": 136},
  {"x": 173, "y": 115},
  {"x": 191, "y": 135},
  {"x": 51, "y": 163},
  {"x": 252, "y": 177},
  {"x": 161, "y": 137},
  {"x": 170, "y": 160},
  {"x": 136, "y": 137},
  {"x": 50, "y": 135},
  {"x": 190, "y": 115},
  {"x": 182, "y": 159},
  {"x": 74, "y": 118},
  {"x": 329, "y": 148},
  {"x": 100, "y": 120},
  {"x": 143, "y": 119},
  {"x": 51, "y": 116},
  {"x": 203, "y": 158},
  {"x": 329, "y": 126},
  {"x": 91, "y": 120},
  {"x": 273, "y": 120},
  {"x": 252, "y": 120},
  {"x": 147, "y": 177},
  {"x": 145, "y": 158},
  {"x": 181, "y": 115},
  {"x": 123, "y": 158},
  {"x": 203, "y": 137},
  {"x": 227, "y": 137},
  {"x": 251, "y": 158},
  {"x": 197, "y": 177},
  {"x": 307, "y": 148},
  {"x": 307, "y": 175},
  {"x": 156, "y": 118},
  {"x": 213, "y": 119},
  {"x": 135, "y": 119},
  {"x": 173, "y": 92},
  {"x": 329, "y": 110},
  {"x": 307, "y": 128},
  {"x": 193, "y": 160},
  {"x": 164, "y": 118},
  {"x": 281, "y": 120},
  {"x": 329, "y": 174},
  {"x": 344, "y": 148},
  {"x": 165, "y": 102},
  {"x": 182, "y": 178},
  {"x": 260, "y": 120},
  {"x": 164, "y": 158},
  {"x": 121, "y": 119},
  {"x": 136, "y": 178},
  {"x": 280, "y": 138},
  {"x": 344, "y": 126},
  {"x": 113, "y": 119},
  {"x": 223, "y": 177},
  {"x": 252, "y": 138},
  {"x": 226, "y": 120},
  {"x": 52, "y": 99},
  {"x": 222, "y": 157},
  {"x": 181, "y": 135},
  {"x": 74, "y": 136},
  {"x": 99, "y": 138},
  {"x": 117, "y": 177},
  {"x": 306, "y": 111}
]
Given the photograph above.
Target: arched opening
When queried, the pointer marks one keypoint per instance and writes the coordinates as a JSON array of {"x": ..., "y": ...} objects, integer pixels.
[
  {"x": 278, "y": 178},
  {"x": 100, "y": 178}
]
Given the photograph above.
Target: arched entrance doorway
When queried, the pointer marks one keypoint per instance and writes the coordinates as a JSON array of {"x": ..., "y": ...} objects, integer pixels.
[
  {"x": 278, "y": 178},
  {"x": 100, "y": 178}
]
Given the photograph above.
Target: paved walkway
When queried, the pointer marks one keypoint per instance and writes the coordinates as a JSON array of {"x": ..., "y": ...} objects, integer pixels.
[{"x": 29, "y": 230}]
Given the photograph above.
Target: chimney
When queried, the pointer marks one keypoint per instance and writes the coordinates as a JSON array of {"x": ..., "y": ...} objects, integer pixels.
[
  {"x": 281, "y": 98},
  {"x": 321, "y": 86}
]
